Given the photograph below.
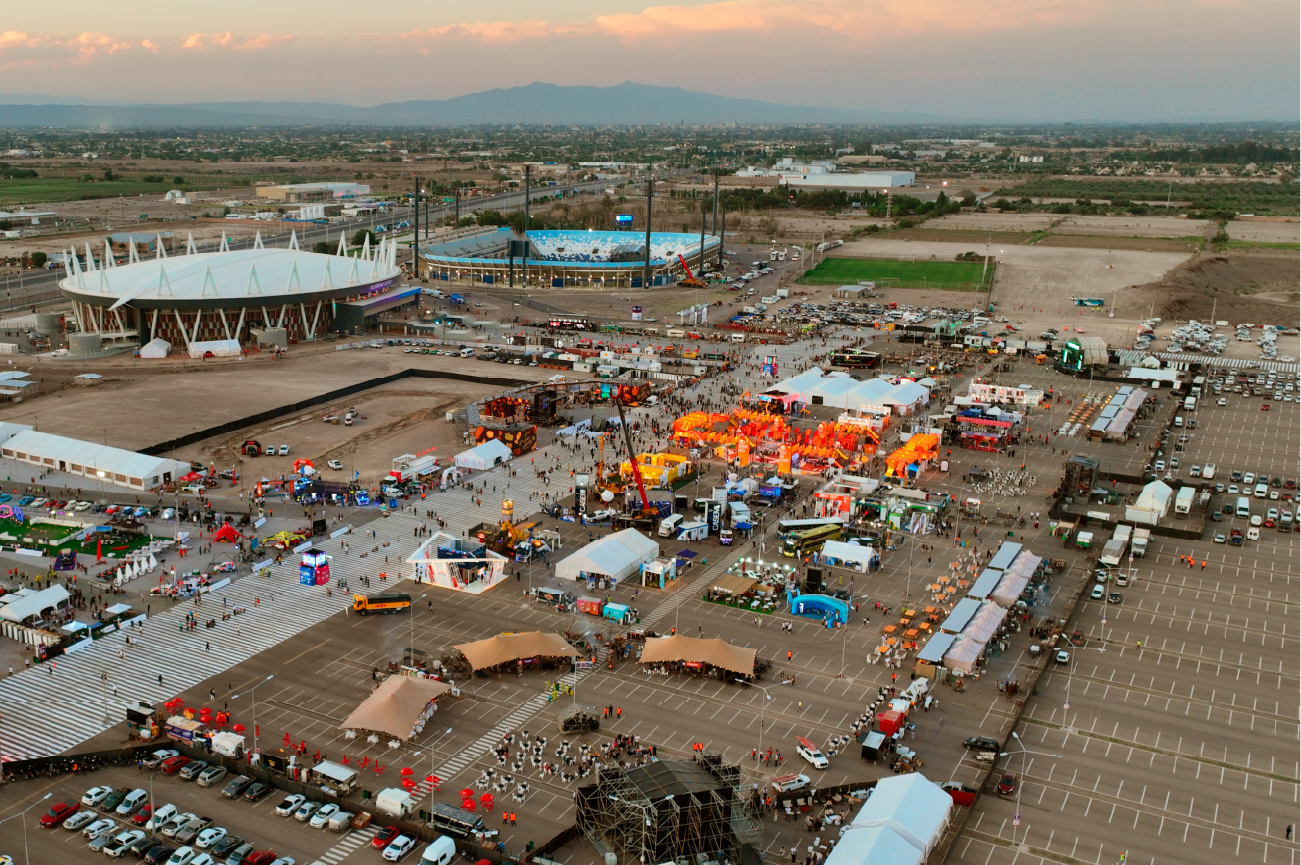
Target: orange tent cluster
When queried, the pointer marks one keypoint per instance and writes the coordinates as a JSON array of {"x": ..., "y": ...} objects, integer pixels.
[
  {"x": 745, "y": 430},
  {"x": 923, "y": 446}
]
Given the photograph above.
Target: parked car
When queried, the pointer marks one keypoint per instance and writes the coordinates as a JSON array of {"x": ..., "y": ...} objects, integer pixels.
[
  {"x": 192, "y": 770},
  {"x": 236, "y": 787},
  {"x": 1007, "y": 784},
  {"x": 79, "y": 820},
  {"x": 323, "y": 815},
  {"x": 172, "y": 765},
  {"x": 981, "y": 743},
  {"x": 258, "y": 791},
  {"x": 399, "y": 848},
  {"x": 95, "y": 795},
  {"x": 290, "y": 804}
]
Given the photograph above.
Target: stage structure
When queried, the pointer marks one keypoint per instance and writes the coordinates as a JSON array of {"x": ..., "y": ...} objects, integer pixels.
[{"x": 669, "y": 810}]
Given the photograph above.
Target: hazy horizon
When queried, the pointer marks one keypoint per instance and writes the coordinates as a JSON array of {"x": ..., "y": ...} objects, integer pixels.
[{"x": 1057, "y": 60}]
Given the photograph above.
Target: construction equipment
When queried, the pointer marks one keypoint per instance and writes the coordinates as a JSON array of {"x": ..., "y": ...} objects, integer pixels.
[
  {"x": 647, "y": 512},
  {"x": 692, "y": 281}
]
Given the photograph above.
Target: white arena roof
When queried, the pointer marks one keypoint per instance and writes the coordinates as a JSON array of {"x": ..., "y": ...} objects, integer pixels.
[{"x": 229, "y": 278}]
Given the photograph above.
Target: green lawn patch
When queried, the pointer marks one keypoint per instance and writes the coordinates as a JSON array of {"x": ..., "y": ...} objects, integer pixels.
[
  {"x": 948, "y": 275},
  {"x": 28, "y": 190}
]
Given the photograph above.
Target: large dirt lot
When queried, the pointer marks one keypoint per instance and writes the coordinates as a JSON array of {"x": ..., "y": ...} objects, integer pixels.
[
  {"x": 1133, "y": 226},
  {"x": 1264, "y": 232},
  {"x": 141, "y": 404},
  {"x": 1258, "y": 286},
  {"x": 1027, "y": 222}
]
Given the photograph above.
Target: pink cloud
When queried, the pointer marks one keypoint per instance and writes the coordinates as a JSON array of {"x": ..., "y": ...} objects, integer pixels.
[
  {"x": 258, "y": 43},
  {"x": 499, "y": 31}
]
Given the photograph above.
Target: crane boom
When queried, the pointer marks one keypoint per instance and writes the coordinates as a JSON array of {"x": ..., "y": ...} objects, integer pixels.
[
  {"x": 690, "y": 275},
  {"x": 632, "y": 456}
]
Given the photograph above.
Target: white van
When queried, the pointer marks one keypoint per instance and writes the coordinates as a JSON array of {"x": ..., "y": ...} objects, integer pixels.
[
  {"x": 1208, "y": 471},
  {"x": 1261, "y": 491},
  {"x": 1244, "y": 507},
  {"x": 467, "y": 352},
  {"x": 439, "y": 852},
  {"x": 1179, "y": 421},
  {"x": 669, "y": 525}
]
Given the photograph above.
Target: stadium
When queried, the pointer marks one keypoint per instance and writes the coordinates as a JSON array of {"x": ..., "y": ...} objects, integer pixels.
[
  {"x": 204, "y": 301},
  {"x": 569, "y": 258}
]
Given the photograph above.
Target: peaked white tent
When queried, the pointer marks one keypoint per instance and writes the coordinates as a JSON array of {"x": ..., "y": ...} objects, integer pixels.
[
  {"x": 1151, "y": 505},
  {"x": 155, "y": 348},
  {"x": 484, "y": 456},
  {"x": 619, "y": 555}
]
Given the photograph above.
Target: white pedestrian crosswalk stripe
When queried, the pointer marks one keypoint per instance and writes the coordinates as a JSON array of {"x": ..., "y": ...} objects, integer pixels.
[{"x": 346, "y": 845}]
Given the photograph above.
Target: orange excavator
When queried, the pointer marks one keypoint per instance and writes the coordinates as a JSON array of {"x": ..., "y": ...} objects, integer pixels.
[{"x": 692, "y": 281}]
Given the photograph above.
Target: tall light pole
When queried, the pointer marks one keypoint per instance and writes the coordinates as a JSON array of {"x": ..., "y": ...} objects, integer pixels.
[
  {"x": 253, "y": 693},
  {"x": 1016, "y": 819},
  {"x": 26, "y": 857},
  {"x": 762, "y": 704}
]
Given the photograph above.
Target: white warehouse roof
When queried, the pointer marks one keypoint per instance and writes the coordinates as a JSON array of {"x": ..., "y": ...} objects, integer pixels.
[
  {"x": 619, "y": 555},
  {"x": 122, "y": 467}
]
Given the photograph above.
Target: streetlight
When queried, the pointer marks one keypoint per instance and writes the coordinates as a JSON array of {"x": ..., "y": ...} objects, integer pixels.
[
  {"x": 1016, "y": 819},
  {"x": 430, "y": 749},
  {"x": 762, "y": 704},
  {"x": 26, "y": 857},
  {"x": 253, "y": 693}
]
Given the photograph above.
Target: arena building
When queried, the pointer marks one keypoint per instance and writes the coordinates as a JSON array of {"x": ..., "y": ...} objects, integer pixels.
[
  {"x": 565, "y": 258},
  {"x": 268, "y": 295}
]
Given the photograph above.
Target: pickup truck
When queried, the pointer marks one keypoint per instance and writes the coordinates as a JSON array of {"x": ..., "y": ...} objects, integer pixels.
[{"x": 191, "y": 829}]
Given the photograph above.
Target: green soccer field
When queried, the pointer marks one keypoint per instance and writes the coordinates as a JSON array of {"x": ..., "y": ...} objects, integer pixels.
[{"x": 955, "y": 275}]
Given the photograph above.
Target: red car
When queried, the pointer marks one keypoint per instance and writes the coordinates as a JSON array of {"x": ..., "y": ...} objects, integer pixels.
[
  {"x": 58, "y": 814},
  {"x": 1007, "y": 784},
  {"x": 259, "y": 857},
  {"x": 384, "y": 837},
  {"x": 172, "y": 765},
  {"x": 141, "y": 817}
]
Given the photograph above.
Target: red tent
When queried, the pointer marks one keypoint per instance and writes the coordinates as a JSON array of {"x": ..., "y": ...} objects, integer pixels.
[
  {"x": 192, "y": 476},
  {"x": 227, "y": 533}
]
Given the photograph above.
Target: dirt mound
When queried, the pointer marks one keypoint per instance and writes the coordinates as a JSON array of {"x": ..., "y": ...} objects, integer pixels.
[{"x": 1258, "y": 286}]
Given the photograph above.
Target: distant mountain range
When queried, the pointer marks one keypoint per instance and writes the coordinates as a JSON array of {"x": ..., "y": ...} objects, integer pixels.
[{"x": 623, "y": 105}]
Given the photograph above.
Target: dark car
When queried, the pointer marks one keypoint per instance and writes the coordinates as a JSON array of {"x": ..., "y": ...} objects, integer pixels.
[
  {"x": 981, "y": 743},
  {"x": 1217, "y": 516},
  {"x": 238, "y": 854},
  {"x": 160, "y": 854},
  {"x": 384, "y": 837},
  {"x": 141, "y": 846},
  {"x": 110, "y": 803},
  {"x": 227, "y": 845},
  {"x": 1276, "y": 482},
  {"x": 58, "y": 813},
  {"x": 1227, "y": 509},
  {"x": 258, "y": 791},
  {"x": 1114, "y": 598},
  {"x": 1007, "y": 784},
  {"x": 236, "y": 788},
  {"x": 172, "y": 765}
]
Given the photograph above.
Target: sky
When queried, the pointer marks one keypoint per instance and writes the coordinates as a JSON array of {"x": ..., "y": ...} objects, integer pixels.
[{"x": 1123, "y": 60}]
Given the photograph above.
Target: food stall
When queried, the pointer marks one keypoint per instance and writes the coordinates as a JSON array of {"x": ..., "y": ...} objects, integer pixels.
[{"x": 591, "y": 606}]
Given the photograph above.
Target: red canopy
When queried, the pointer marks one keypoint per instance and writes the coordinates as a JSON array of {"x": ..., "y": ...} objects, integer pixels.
[
  {"x": 192, "y": 476},
  {"x": 227, "y": 533}
]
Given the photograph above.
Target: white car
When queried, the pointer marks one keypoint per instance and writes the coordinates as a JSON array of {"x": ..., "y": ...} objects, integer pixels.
[
  {"x": 306, "y": 810},
  {"x": 172, "y": 826},
  {"x": 182, "y": 856},
  {"x": 160, "y": 816},
  {"x": 203, "y": 859},
  {"x": 210, "y": 837},
  {"x": 290, "y": 805},
  {"x": 334, "y": 464},
  {"x": 399, "y": 848},
  {"x": 95, "y": 795},
  {"x": 1063, "y": 657},
  {"x": 1221, "y": 401},
  {"x": 78, "y": 820},
  {"x": 103, "y": 826},
  {"x": 1098, "y": 590},
  {"x": 323, "y": 815},
  {"x": 122, "y": 841},
  {"x": 284, "y": 450},
  {"x": 167, "y": 514}
]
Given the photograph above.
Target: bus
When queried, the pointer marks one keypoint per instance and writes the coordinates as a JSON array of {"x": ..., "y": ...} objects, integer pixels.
[
  {"x": 786, "y": 527},
  {"x": 389, "y": 602},
  {"x": 810, "y": 540}
]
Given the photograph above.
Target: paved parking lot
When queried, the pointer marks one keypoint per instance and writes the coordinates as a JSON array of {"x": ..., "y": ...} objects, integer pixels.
[{"x": 1171, "y": 735}]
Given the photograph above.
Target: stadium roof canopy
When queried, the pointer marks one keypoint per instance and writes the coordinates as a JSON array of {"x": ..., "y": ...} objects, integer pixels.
[{"x": 230, "y": 278}]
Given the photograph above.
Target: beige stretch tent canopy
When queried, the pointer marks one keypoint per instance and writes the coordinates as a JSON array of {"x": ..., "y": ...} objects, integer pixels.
[
  {"x": 736, "y": 585},
  {"x": 716, "y": 653},
  {"x": 395, "y": 706},
  {"x": 513, "y": 647}
]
